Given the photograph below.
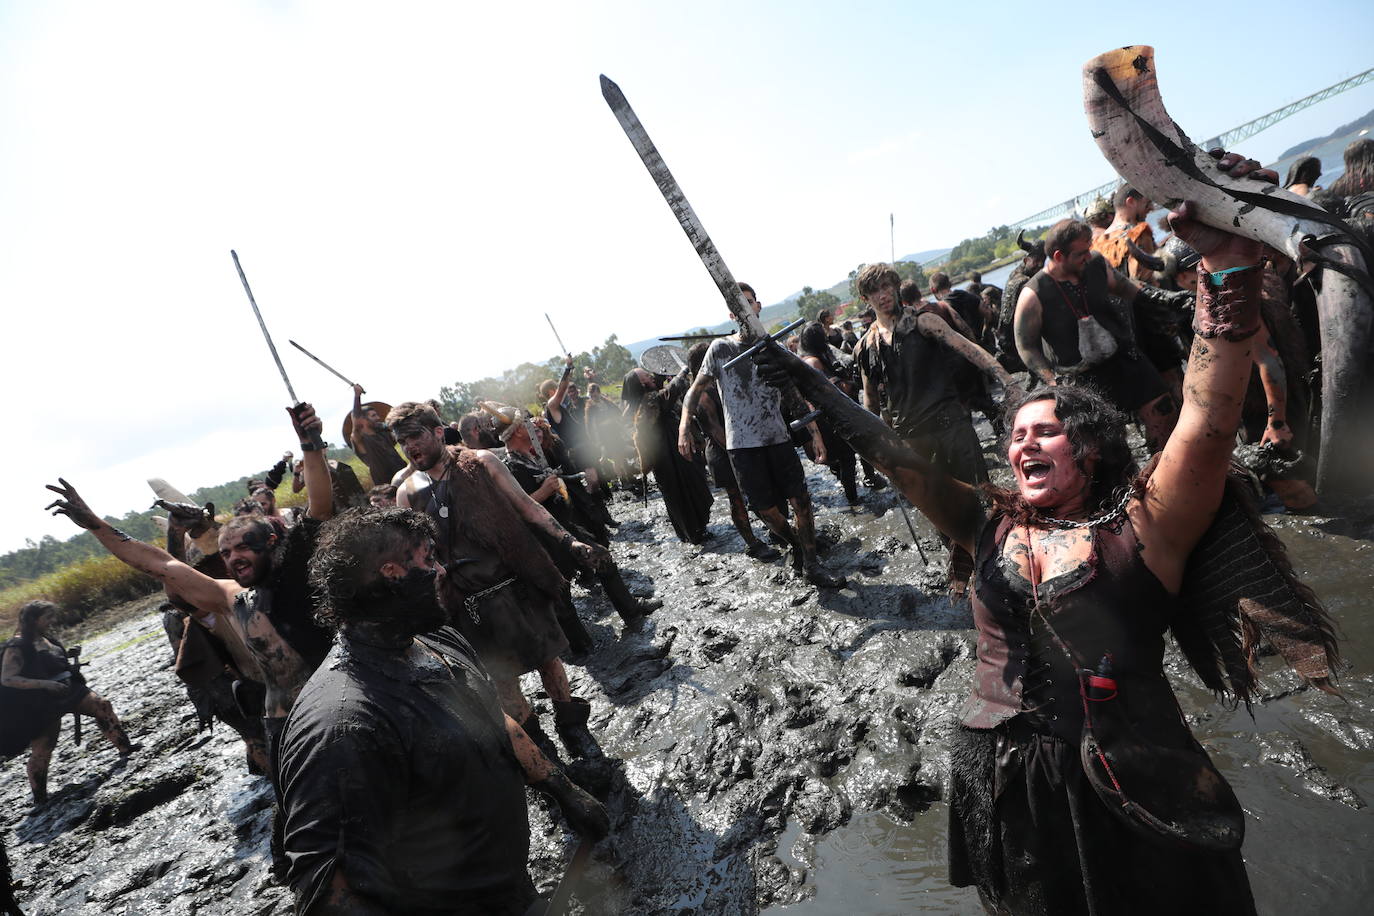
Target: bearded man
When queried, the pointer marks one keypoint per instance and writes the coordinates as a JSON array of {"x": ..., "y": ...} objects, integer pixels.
[
  {"x": 268, "y": 605},
  {"x": 503, "y": 590},
  {"x": 404, "y": 783}
]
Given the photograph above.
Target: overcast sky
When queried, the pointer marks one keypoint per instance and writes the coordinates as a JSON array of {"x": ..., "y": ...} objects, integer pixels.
[{"x": 411, "y": 186}]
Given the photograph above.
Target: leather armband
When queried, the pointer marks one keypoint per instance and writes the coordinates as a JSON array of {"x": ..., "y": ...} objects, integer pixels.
[{"x": 1229, "y": 309}]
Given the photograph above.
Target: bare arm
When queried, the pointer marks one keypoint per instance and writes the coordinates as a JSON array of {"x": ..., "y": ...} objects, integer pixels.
[
  {"x": 208, "y": 596},
  {"x": 1274, "y": 381},
  {"x": 1183, "y": 494},
  {"x": 318, "y": 492},
  {"x": 1027, "y": 328},
  {"x": 554, "y": 407},
  {"x": 689, "y": 408},
  {"x": 530, "y": 511},
  {"x": 535, "y": 765},
  {"x": 939, "y": 331},
  {"x": 10, "y": 677}
]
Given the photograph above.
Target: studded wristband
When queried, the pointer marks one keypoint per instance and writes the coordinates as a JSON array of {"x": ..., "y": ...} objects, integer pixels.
[{"x": 1229, "y": 309}]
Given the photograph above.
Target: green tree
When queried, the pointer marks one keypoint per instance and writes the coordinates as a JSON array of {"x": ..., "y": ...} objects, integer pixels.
[
  {"x": 911, "y": 270},
  {"x": 812, "y": 303},
  {"x": 611, "y": 361},
  {"x": 457, "y": 399}
]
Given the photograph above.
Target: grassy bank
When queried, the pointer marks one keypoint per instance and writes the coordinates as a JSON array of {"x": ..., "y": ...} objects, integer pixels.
[{"x": 78, "y": 589}]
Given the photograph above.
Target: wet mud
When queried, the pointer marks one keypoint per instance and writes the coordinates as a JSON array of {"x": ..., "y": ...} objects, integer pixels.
[{"x": 770, "y": 747}]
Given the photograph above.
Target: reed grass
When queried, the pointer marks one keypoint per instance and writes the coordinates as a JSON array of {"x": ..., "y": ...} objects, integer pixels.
[{"x": 78, "y": 589}]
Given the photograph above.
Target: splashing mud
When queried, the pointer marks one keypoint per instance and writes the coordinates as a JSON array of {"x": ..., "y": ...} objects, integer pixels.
[{"x": 778, "y": 748}]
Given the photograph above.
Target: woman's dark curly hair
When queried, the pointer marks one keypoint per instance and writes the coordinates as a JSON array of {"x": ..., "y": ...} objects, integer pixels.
[
  {"x": 353, "y": 546},
  {"x": 1095, "y": 428}
]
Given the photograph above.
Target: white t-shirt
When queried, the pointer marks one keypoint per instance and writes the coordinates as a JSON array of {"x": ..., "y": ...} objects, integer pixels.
[{"x": 753, "y": 408}]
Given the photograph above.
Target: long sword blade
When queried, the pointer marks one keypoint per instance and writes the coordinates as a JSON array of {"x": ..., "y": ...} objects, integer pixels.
[
  {"x": 555, "y": 335},
  {"x": 262, "y": 324},
  {"x": 321, "y": 362},
  {"x": 686, "y": 217}
]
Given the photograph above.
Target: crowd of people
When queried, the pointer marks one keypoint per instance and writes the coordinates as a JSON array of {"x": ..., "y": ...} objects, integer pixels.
[{"x": 384, "y": 629}]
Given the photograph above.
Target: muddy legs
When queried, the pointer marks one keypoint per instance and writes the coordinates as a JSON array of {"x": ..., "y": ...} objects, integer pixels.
[
  {"x": 99, "y": 708},
  {"x": 40, "y": 755}
]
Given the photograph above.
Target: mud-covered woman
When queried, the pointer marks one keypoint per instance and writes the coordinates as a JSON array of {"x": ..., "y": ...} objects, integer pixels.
[
  {"x": 655, "y": 410},
  {"x": 38, "y": 686},
  {"x": 1078, "y": 573}
]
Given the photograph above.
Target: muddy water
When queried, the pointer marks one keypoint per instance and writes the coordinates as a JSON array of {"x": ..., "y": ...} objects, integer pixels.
[{"x": 777, "y": 749}]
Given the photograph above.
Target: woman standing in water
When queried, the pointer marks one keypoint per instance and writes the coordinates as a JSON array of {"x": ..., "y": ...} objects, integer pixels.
[
  {"x": 1077, "y": 569},
  {"x": 38, "y": 686}
]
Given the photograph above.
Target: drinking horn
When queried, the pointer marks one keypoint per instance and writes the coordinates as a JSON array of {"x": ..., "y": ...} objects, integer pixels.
[{"x": 1154, "y": 155}]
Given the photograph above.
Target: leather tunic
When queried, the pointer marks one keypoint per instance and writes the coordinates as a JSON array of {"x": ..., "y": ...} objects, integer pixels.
[
  {"x": 1111, "y": 604},
  {"x": 1059, "y": 317}
]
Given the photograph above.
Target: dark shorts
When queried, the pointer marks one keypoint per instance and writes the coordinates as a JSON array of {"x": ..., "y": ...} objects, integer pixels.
[
  {"x": 768, "y": 475},
  {"x": 718, "y": 460}
]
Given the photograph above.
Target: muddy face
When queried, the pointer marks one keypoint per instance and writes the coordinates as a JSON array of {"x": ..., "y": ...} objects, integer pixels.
[
  {"x": 247, "y": 556},
  {"x": 883, "y": 299},
  {"x": 1072, "y": 261},
  {"x": 1041, "y": 459},
  {"x": 424, "y": 448}
]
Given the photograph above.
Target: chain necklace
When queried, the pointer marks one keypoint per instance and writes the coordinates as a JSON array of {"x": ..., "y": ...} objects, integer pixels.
[
  {"x": 434, "y": 491},
  {"x": 1107, "y": 517}
]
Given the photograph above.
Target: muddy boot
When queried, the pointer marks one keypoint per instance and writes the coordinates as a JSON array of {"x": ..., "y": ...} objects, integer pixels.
[
  {"x": 631, "y": 609},
  {"x": 764, "y": 553},
  {"x": 570, "y": 721},
  {"x": 872, "y": 479},
  {"x": 540, "y": 738},
  {"x": 579, "y": 640},
  {"x": 817, "y": 575}
]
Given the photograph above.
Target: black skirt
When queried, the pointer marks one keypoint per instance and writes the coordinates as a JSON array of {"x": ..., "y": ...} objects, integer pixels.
[
  {"x": 1029, "y": 832},
  {"x": 26, "y": 714}
]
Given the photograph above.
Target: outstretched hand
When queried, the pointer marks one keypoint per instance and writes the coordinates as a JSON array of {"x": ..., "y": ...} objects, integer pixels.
[
  {"x": 1220, "y": 249},
  {"x": 73, "y": 506}
]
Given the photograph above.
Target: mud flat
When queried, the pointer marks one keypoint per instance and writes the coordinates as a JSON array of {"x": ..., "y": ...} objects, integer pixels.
[{"x": 770, "y": 747}]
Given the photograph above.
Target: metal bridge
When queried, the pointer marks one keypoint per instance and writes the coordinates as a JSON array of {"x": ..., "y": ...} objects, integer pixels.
[{"x": 1078, "y": 203}]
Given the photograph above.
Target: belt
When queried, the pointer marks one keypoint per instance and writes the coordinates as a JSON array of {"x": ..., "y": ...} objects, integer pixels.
[{"x": 471, "y": 601}]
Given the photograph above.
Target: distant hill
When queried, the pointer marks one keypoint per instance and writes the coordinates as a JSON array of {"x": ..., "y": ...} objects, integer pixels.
[{"x": 1355, "y": 126}]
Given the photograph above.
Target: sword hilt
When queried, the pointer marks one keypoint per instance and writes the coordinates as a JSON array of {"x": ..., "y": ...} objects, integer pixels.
[
  {"x": 311, "y": 436},
  {"x": 763, "y": 341},
  {"x": 801, "y": 423}
]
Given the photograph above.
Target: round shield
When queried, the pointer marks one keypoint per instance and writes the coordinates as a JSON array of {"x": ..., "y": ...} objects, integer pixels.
[
  {"x": 382, "y": 408},
  {"x": 665, "y": 359}
]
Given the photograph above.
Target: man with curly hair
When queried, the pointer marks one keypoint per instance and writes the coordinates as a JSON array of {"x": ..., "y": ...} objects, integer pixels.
[{"x": 404, "y": 783}]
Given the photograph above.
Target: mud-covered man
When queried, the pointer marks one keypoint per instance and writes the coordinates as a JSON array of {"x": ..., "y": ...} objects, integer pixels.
[
  {"x": 760, "y": 447},
  {"x": 915, "y": 355},
  {"x": 402, "y": 695},
  {"x": 268, "y": 603},
  {"x": 1075, "y": 287},
  {"x": 503, "y": 590}
]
